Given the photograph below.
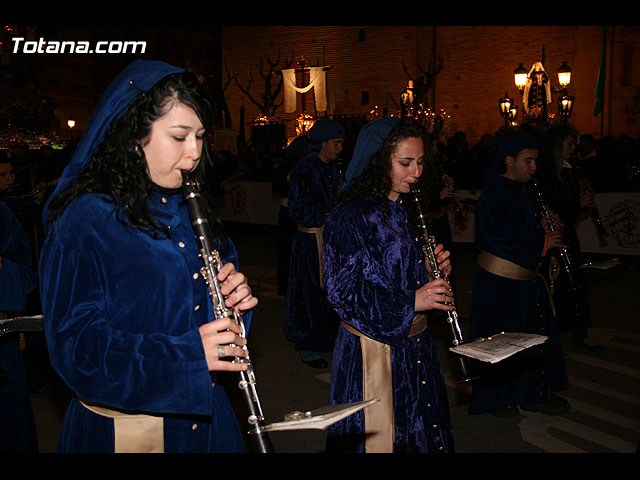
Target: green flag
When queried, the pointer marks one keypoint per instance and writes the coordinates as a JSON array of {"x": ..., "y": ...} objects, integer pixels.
[{"x": 602, "y": 73}]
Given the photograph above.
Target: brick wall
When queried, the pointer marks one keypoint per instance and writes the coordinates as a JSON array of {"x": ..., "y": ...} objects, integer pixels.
[{"x": 478, "y": 64}]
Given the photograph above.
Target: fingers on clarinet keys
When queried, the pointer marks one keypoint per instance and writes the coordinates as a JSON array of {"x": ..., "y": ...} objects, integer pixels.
[{"x": 221, "y": 351}]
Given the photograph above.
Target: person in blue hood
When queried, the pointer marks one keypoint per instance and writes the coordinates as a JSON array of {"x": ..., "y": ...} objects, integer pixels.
[
  {"x": 128, "y": 318},
  {"x": 378, "y": 283},
  {"x": 314, "y": 182}
]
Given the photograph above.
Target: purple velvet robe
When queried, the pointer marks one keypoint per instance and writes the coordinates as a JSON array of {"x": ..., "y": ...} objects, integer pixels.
[{"x": 373, "y": 264}]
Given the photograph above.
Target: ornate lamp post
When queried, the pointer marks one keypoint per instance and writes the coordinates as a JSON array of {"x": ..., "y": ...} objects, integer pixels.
[{"x": 565, "y": 101}]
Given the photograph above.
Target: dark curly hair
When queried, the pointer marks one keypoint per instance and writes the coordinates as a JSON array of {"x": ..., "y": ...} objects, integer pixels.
[
  {"x": 118, "y": 168},
  {"x": 375, "y": 179}
]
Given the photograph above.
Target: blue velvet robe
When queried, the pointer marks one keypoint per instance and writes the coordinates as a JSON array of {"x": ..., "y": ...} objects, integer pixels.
[
  {"x": 17, "y": 280},
  {"x": 122, "y": 314},
  {"x": 508, "y": 225},
  {"x": 308, "y": 322},
  {"x": 374, "y": 263}
]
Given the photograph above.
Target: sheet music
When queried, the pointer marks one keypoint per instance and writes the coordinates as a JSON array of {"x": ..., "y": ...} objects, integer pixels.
[
  {"x": 318, "y": 419},
  {"x": 498, "y": 347}
]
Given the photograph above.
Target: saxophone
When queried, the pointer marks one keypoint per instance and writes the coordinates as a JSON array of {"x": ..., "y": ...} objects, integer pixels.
[
  {"x": 210, "y": 269},
  {"x": 452, "y": 315}
]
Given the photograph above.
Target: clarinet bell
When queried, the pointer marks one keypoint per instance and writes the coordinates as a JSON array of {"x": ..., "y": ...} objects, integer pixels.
[{"x": 466, "y": 370}]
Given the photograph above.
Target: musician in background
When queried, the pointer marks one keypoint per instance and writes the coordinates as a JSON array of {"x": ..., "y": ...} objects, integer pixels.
[
  {"x": 7, "y": 172},
  {"x": 438, "y": 195},
  {"x": 562, "y": 189},
  {"x": 17, "y": 280},
  {"x": 129, "y": 319},
  {"x": 377, "y": 281},
  {"x": 313, "y": 184},
  {"x": 295, "y": 151},
  {"x": 25, "y": 199},
  {"x": 509, "y": 294}
]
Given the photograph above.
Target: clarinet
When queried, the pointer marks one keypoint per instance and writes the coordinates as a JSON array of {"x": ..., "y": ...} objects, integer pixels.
[
  {"x": 452, "y": 315},
  {"x": 585, "y": 190},
  {"x": 212, "y": 264},
  {"x": 564, "y": 253}
]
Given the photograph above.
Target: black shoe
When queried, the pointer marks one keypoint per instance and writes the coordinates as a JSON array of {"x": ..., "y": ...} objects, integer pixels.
[
  {"x": 553, "y": 405},
  {"x": 317, "y": 363},
  {"x": 506, "y": 412}
]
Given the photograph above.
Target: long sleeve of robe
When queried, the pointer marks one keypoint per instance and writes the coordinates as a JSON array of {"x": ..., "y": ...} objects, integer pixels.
[{"x": 373, "y": 264}]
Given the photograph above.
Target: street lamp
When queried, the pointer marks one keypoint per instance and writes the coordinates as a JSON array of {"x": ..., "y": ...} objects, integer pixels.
[
  {"x": 565, "y": 107},
  {"x": 506, "y": 105},
  {"x": 71, "y": 123},
  {"x": 564, "y": 75},
  {"x": 520, "y": 75}
]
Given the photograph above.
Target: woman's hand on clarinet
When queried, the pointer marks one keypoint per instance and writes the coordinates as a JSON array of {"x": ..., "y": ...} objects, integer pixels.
[
  {"x": 217, "y": 339},
  {"x": 235, "y": 287},
  {"x": 443, "y": 259},
  {"x": 436, "y": 294}
]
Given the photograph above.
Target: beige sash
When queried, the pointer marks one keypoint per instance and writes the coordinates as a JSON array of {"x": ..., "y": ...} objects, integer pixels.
[
  {"x": 504, "y": 268},
  {"x": 318, "y": 233},
  {"x": 134, "y": 433},
  {"x": 377, "y": 383}
]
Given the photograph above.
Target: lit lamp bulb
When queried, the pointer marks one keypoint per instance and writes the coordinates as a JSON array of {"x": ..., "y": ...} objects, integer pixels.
[
  {"x": 520, "y": 75},
  {"x": 505, "y": 104},
  {"x": 564, "y": 75}
]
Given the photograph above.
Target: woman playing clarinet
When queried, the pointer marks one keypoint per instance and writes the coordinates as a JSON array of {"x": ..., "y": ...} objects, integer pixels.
[
  {"x": 377, "y": 282},
  {"x": 128, "y": 317}
]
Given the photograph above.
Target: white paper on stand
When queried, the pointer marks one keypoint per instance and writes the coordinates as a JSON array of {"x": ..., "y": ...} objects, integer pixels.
[
  {"x": 318, "y": 419},
  {"x": 498, "y": 347}
]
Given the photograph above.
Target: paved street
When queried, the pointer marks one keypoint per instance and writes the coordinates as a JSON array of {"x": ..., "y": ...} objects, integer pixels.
[{"x": 604, "y": 386}]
